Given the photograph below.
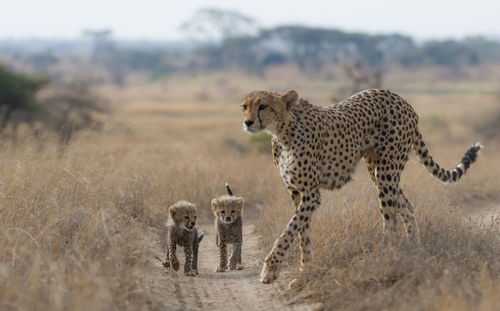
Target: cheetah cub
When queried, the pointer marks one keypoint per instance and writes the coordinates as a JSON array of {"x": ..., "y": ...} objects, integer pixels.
[
  {"x": 183, "y": 232},
  {"x": 228, "y": 229}
]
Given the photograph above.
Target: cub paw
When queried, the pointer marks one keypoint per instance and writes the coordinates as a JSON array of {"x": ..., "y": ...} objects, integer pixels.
[
  {"x": 232, "y": 266},
  {"x": 189, "y": 273},
  {"x": 174, "y": 264}
]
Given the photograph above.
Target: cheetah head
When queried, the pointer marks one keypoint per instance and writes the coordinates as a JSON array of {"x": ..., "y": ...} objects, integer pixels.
[
  {"x": 227, "y": 208},
  {"x": 264, "y": 110},
  {"x": 183, "y": 214}
]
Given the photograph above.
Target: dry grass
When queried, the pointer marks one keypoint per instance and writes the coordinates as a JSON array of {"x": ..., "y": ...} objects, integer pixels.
[
  {"x": 76, "y": 228},
  {"x": 356, "y": 268}
]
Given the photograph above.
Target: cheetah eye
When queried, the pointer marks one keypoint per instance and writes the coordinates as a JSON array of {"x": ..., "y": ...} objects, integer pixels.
[
  {"x": 262, "y": 107},
  {"x": 244, "y": 107},
  {"x": 187, "y": 217},
  {"x": 194, "y": 217},
  {"x": 223, "y": 212},
  {"x": 233, "y": 211}
]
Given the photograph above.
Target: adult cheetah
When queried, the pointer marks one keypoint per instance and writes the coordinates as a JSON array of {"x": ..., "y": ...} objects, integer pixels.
[{"x": 319, "y": 147}]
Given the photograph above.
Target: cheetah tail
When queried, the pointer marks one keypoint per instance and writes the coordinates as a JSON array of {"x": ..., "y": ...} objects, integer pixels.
[
  {"x": 229, "y": 190},
  {"x": 443, "y": 175},
  {"x": 200, "y": 237}
]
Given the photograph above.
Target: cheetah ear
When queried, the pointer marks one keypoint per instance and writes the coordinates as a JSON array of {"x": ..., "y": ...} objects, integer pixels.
[
  {"x": 214, "y": 203},
  {"x": 239, "y": 201},
  {"x": 171, "y": 211},
  {"x": 290, "y": 98}
]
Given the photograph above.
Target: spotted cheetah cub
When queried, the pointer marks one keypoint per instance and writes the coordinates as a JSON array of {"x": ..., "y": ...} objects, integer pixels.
[
  {"x": 183, "y": 232},
  {"x": 228, "y": 229}
]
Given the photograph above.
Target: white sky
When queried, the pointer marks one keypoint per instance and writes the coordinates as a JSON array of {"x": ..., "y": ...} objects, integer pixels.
[{"x": 159, "y": 19}]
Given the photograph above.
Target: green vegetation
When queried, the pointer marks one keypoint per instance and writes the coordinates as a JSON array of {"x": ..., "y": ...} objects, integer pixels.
[{"x": 17, "y": 93}]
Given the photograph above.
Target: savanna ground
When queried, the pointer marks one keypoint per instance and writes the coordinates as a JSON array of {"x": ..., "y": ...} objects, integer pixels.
[{"x": 83, "y": 229}]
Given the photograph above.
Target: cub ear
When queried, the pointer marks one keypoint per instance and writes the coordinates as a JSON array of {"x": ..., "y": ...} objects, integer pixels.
[
  {"x": 239, "y": 201},
  {"x": 171, "y": 211},
  {"x": 290, "y": 98},
  {"x": 214, "y": 203}
]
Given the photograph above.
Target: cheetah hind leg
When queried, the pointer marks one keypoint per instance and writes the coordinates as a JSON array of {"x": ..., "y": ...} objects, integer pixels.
[
  {"x": 408, "y": 219},
  {"x": 305, "y": 247}
]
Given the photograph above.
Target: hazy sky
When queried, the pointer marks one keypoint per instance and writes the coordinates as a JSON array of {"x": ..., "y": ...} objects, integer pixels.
[{"x": 155, "y": 19}]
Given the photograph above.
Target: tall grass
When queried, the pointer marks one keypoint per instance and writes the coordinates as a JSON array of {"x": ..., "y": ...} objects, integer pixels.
[
  {"x": 75, "y": 228},
  {"x": 356, "y": 268}
]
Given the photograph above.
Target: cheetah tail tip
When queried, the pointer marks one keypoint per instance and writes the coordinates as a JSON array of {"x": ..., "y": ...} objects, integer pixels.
[{"x": 471, "y": 155}]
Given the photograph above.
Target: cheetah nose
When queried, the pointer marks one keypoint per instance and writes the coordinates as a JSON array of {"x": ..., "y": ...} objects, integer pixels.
[
  {"x": 228, "y": 218},
  {"x": 249, "y": 122},
  {"x": 192, "y": 223}
]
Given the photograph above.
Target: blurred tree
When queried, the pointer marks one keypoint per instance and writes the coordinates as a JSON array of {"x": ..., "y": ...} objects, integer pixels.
[
  {"x": 362, "y": 78},
  {"x": 17, "y": 93},
  {"x": 449, "y": 53},
  {"x": 102, "y": 42},
  {"x": 42, "y": 61},
  {"x": 312, "y": 48},
  {"x": 157, "y": 63},
  {"x": 104, "y": 53},
  {"x": 211, "y": 24},
  {"x": 71, "y": 108},
  {"x": 66, "y": 110}
]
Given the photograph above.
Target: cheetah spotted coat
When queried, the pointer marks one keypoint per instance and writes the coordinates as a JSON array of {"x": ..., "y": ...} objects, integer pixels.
[{"x": 318, "y": 148}]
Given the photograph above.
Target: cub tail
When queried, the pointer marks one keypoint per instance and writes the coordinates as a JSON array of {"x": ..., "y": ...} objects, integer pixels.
[
  {"x": 200, "y": 236},
  {"x": 229, "y": 190}
]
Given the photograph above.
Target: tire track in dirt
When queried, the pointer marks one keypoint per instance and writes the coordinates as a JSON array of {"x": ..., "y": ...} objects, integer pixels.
[{"x": 231, "y": 290}]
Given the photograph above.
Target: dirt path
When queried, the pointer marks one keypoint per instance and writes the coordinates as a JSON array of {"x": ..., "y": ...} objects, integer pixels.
[{"x": 234, "y": 290}]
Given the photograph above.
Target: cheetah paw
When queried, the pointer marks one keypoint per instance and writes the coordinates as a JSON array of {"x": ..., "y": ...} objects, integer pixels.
[
  {"x": 269, "y": 273},
  {"x": 166, "y": 264},
  {"x": 239, "y": 267},
  {"x": 220, "y": 268}
]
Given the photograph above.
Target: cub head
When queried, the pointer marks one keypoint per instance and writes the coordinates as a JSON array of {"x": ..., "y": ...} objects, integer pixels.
[
  {"x": 263, "y": 110},
  {"x": 183, "y": 214},
  {"x": 227, "y": 208}
]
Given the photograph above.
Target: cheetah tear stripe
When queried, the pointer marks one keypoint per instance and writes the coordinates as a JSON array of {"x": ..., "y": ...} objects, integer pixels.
[{"x": 443, "y": 175}]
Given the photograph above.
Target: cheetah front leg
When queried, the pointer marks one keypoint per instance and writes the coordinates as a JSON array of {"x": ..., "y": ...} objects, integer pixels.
[
  {"x": 309, "y": 203},
  {"x": 235, "y": 260},
  {"x": 196, "y": 245},
  {"x": 174, "y": 262},
  {"x": 188, "y": 265},
  {"x": 166, "y": 261},
  {"x": 222, "y": 257}
]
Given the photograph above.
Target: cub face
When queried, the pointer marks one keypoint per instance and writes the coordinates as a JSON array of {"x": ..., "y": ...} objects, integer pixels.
[
  {"x": 183, "y": 214},
  {"x": 227, "y": 208}
]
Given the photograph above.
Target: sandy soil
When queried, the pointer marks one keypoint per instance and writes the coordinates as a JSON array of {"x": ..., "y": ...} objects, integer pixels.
[{"x": 210, "y": 290}]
